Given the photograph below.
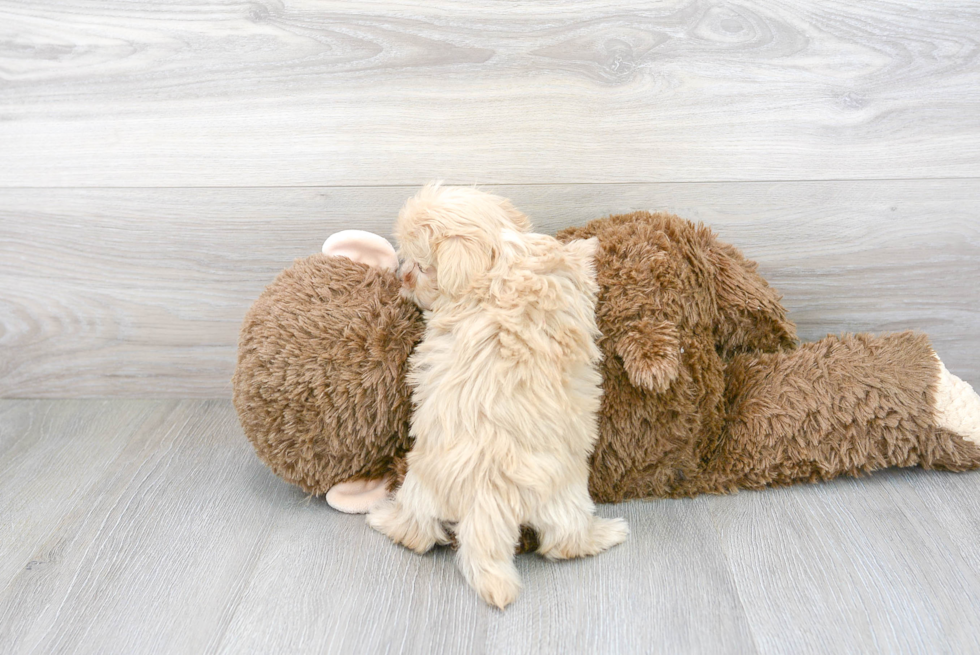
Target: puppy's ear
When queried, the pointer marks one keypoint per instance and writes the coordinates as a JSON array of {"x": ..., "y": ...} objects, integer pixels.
[{"x": 458, "y": 260}]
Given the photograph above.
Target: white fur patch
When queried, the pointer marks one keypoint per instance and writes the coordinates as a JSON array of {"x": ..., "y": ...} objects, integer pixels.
[{"x": 957, "y": 406}]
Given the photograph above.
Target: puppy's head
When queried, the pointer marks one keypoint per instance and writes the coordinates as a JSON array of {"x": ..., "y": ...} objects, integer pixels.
[{"x": 448, "y": 237}]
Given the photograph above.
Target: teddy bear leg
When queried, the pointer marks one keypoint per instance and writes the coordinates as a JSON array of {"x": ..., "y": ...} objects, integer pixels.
[
  {"x": 567, "y": 526},
  {"x": 410, "y": 518},
  {"x": 842, "y": 405},
  {"x": 487, "y": 537}
]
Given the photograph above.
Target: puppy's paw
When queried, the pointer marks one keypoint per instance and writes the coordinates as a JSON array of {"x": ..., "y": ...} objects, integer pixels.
[
  {"x": 607, "y": 533},
  {"x": 600, "y": 535},
  {"x": 384, "y": 518},
  {"x": 390, "y": 518},
  {"x": 497, "y": 584}
]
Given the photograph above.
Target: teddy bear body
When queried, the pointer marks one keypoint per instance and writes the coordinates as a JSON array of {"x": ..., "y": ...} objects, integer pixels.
[
  {"x": 706, "y": 390},
  {"x": 705, "y": 387}
]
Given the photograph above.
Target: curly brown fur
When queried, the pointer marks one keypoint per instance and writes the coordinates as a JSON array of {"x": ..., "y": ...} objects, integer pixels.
[
  {"x": 673, "y": 303},
  {"x": 320, "y": 384},
  {"x": 873, "y": 395},
  {"x": 741, "y": 407}
]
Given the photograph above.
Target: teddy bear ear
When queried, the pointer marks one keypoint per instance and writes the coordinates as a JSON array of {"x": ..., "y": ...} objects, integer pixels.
[
  {"x": 364, "y": 247},
  {"x": 357, "y": 496}
]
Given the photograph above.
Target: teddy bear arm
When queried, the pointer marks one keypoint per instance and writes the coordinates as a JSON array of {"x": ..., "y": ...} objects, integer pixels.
[
  {"x": 751, "y": 316},
  {"x": 651, "y": 353}
]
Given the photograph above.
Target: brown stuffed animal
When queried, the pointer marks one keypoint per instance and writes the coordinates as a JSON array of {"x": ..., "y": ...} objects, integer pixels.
[{"x": 705, "y": 387}]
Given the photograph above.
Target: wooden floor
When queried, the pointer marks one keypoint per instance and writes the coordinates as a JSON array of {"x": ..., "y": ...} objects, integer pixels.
[{"x": 149, "y": 526}]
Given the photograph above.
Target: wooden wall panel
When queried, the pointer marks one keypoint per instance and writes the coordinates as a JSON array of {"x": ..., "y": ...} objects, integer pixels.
[
  {"x": 140, "y": 292},
  {"x": 266, "y": 93}
]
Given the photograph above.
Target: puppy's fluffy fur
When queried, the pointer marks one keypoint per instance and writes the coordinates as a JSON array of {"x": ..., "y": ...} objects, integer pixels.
[{"x": 505, "y": 388}]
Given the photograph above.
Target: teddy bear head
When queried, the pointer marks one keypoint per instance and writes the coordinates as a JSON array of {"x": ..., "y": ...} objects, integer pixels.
[{"x": 320, "y": 385}]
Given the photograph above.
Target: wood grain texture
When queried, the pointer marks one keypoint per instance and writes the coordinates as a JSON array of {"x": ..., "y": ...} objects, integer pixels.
[
  {"x": 51, "y": 456},
  {"x": 269, "y": 93},
  {"x": 657, "y": 593},
  {"x": 151, "y": 556},
  {"x": 855, "y": 566},
  {"x": 157, "y": 530},
  {"x": 624, "y": 602},
  {"x": 140, "y": 292}
]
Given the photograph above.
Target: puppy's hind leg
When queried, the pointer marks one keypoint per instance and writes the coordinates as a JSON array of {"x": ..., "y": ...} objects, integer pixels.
[
  {"x": 567, "y": 526},
  {"x": 410, "y": 518},
  {"x": 487, "y": 538}
]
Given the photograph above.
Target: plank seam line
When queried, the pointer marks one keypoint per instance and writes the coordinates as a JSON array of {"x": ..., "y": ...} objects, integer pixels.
[{"x": 491, "y": 184}]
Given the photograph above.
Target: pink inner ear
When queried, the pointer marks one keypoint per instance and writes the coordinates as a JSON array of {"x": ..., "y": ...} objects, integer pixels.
[
  {"x": 357, "y": 496},
  {"x": 364, "y": 247}
]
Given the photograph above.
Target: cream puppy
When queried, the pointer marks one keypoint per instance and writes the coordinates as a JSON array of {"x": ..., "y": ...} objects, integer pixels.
[{"x": 505, "y": 389}]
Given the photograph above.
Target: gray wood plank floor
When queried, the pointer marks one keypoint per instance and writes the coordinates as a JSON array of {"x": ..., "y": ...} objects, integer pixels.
[{"x": 142, "y": 526}]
